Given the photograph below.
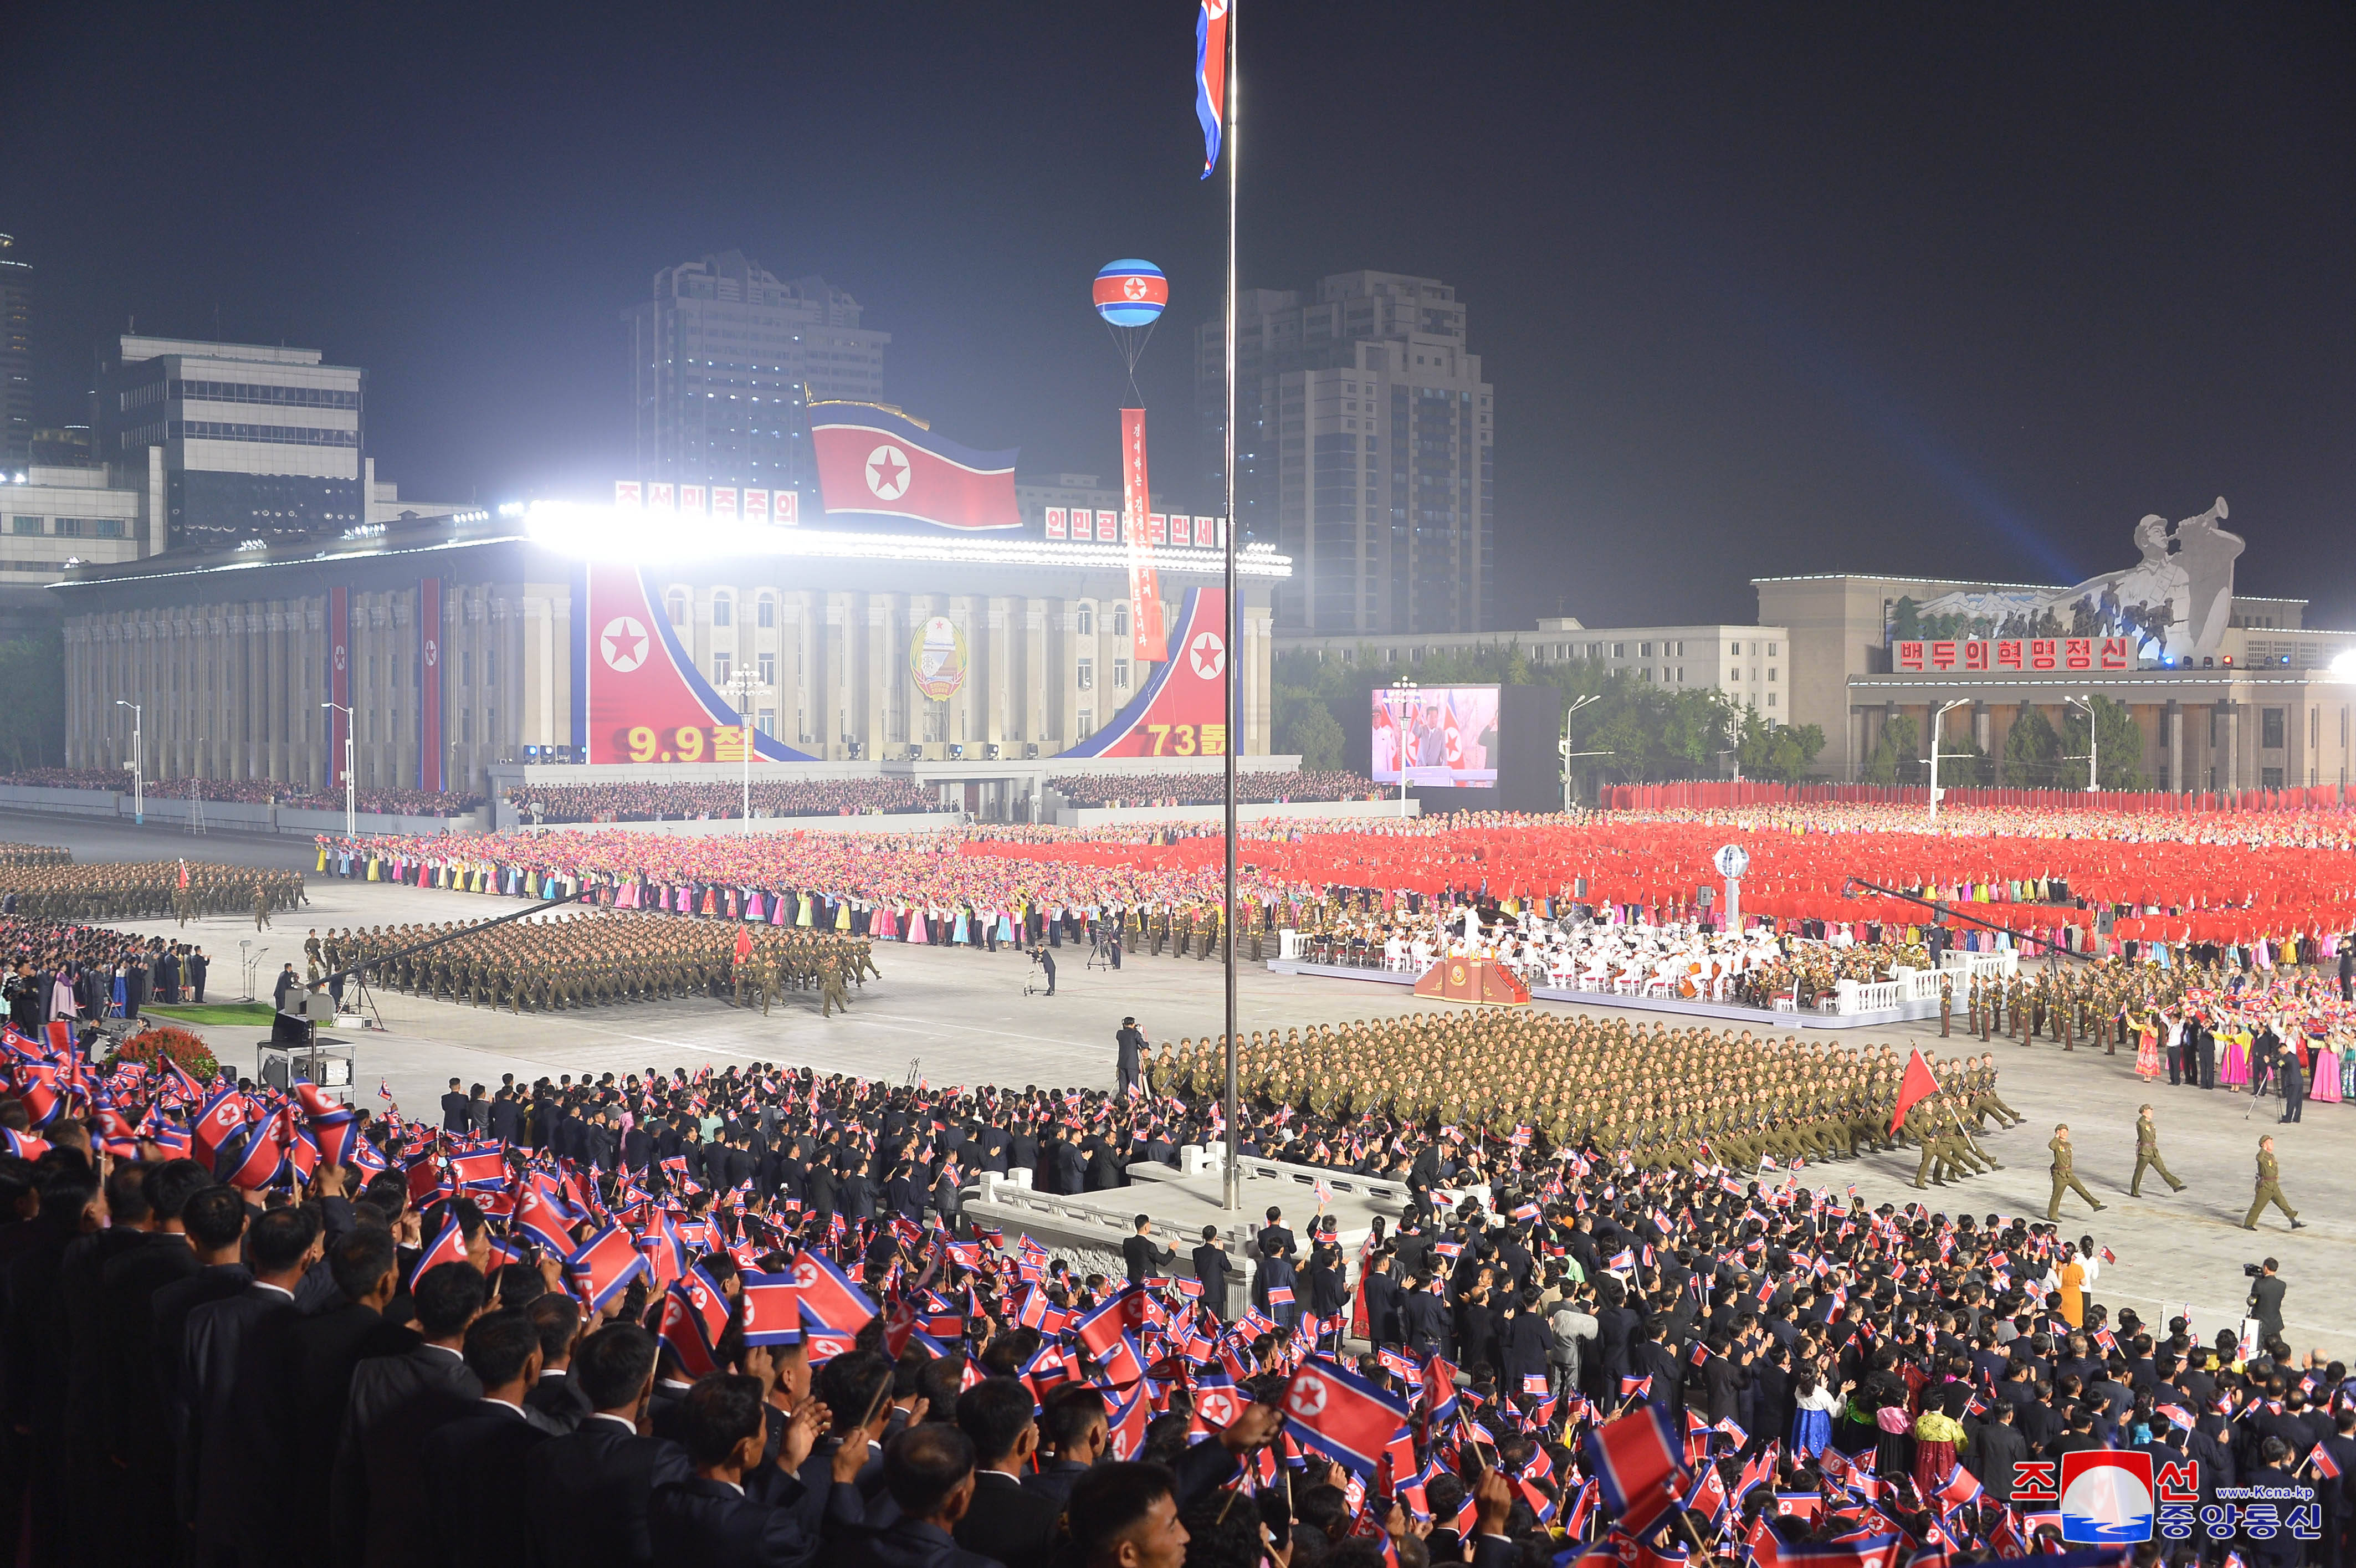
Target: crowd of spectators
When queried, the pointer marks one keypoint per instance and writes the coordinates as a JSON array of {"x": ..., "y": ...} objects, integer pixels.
[
  {"x": 642, "y": 1320},
  {"x": 255, "y": 792},
  {"x": 1255, "y": 788},
  {"x": 720, "y": 802}
]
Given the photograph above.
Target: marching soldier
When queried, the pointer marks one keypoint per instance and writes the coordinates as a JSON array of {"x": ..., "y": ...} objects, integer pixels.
[
  {"x": 2269, "y": 1190},
  {"x": 2064, "y": 1176},
  {"x": 2147, "y": 1154}
]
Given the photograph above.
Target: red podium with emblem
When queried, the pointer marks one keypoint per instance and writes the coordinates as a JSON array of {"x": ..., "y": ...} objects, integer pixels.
[{"x": 1479, "y": 981}]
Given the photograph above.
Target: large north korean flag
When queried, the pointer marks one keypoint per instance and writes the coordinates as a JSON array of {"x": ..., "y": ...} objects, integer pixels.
[{"x": 878, "y": 463}]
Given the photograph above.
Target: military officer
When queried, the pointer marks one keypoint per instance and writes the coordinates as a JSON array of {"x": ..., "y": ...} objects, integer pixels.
[
  {"x": 2269, "y": 1190},
  {"x": 2064, "y": 1176},
  {"x": 2147, "y": 1154}
]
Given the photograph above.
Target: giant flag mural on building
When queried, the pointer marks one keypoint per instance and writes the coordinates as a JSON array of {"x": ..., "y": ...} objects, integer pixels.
[
  {"x": 638, "y": 696},
  {"x": 1181, "y": 711}
]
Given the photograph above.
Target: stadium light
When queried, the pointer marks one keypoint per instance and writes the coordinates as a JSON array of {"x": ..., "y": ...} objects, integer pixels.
[{"x": 2344, "y": 666}]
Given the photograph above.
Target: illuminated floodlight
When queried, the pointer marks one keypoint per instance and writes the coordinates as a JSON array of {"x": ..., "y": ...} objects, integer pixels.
[
  {"x": 635, "y": 536},
  {"x": 2344, "y": 666}
]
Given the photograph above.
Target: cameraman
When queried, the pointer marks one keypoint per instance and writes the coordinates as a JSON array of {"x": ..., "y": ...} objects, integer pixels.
[
  {"x": 1046, "y": 960},
  {"x": 2266, "y": 1299}
]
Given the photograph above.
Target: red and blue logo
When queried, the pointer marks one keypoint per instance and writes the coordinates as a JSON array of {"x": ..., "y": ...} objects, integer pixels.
[{"x": 2107, "y": 1499}]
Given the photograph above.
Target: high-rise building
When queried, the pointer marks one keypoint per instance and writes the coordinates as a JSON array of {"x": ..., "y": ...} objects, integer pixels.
[
  {"x": 723, "y": 360},
  {"x": 241, "y": 441},
  {"x": 1364, "y": 451},
  {"x": 15, "y": 356}
]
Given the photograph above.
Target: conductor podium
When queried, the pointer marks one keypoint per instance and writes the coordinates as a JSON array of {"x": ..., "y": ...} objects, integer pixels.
[
  {"x": 1477, "y": 981},
  {"x": 297, "y": 1052}
]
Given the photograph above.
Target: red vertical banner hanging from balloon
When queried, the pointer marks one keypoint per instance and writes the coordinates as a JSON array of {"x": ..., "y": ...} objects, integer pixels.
[{"x": 1146, "y": 638}]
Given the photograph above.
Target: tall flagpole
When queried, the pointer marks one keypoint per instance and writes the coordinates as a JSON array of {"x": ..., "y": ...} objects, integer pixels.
[{"x": 1235, "y": 1183}]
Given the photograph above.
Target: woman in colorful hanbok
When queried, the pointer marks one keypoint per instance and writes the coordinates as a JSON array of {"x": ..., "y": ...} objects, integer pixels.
[
  {"x": 2326, "y": 1054},
  {"x": 2149, "y": 1064},
  {"x": 2234, "y": 1053}
]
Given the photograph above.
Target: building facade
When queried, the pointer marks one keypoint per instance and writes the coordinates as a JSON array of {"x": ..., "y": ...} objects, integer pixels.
[
  {"x": 725, "y": 359},
  {"x": 2259, "y": 706},
  {"x": 465, "y": 646},
  {"x": 248, "y": 440},
  {"x": 1364, "y": 451},
  {"x": 16, "y": 357},
  {"x": 1747, "y": 664}
]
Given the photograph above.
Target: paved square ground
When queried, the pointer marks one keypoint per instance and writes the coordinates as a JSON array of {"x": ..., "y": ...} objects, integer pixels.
[{"x": 962, "y": 1018}]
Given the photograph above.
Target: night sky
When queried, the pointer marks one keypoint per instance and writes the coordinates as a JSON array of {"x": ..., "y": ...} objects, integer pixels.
[{"x": 1958, "y": 290}]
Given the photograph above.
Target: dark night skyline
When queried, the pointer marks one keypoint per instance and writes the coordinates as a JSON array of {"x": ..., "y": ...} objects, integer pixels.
[{"x": 1956, "y": 291}]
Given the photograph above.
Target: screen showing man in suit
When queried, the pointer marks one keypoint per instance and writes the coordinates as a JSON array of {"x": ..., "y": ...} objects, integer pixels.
[{"x": 1436, "y": 737}]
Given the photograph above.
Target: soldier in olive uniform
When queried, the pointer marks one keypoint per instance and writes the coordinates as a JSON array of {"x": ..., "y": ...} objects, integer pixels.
[
  {"x": 2147, "y": 1154},
  {"x": 2064, "y": 1176},
  {"x": 2269, "y": 1190}
]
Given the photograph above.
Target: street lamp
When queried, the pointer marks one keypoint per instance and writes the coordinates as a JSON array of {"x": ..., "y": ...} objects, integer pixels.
[
  {"x": 744, "y": 686},
  {"x": 1562, "y": 747},
  {"x": 351, "y": 786},
  {"x": 1400, "y": 691},
  {"x": 2093, "y": 744},
  {"x": 138, "y": 765},
  {"x": 1937, "y": 714}
]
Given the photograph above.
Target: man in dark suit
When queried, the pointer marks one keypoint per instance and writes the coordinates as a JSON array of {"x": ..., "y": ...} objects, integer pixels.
[
  {"x": 507, "y": 1116},
  {"x": 471, "y": 1464},
  {"x": 197, "y": 965},
  {"x": 586, "y": 1493},
  {"x": 395, "y": 1402},
  {"x": 454, "y": 1110},
  {"x": 1071, "y": 1165},
  {"x": 735, "y": 1511},
  {"x": 215, "y": 1218},
  {"x": 856, "y": 1193},
  {"x": 137, "y": 1405},
  {"x": 1213, "y": 1267},
  {"x": 327, "y": 1344},
  {"x": 1071, "y": 1422},
  {"x": 928, "y": 1472},
  {"x": 1996, "y": 1448},
  {"x": 237, "y": 1388},
  {"x": 1424, "y": 1317},
  {"x": 2293, "y": 1078},
  {"x": 1145, "y": 1259},
  {"x": 1275, "y": 1239},
  {"x": 1130, "y": 1065},
  {"x": 1004, "y": 1520},
  {"x": 2266, "y": 1302},
  {"x": 556, "y": 1319},
  {"x": 1383, "y": 1300}
]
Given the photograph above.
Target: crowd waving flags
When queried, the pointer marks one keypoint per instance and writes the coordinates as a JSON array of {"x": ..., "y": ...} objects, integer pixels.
[{"x": 1661, "y": 1404}]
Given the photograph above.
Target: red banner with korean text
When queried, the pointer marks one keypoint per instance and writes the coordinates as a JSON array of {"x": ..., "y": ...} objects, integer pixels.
[
  {"x": 2007, "y": 655},
  {"x": 1147, "y": 642}
]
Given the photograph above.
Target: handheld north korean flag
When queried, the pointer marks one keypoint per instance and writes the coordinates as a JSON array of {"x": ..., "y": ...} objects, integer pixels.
[
  {"x": 771, "y": 1309},
  {"x": 1342, "y": 1415},
  {"x": 604, "y": 1265},
  {"x": 1635, "y": 1456}
]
